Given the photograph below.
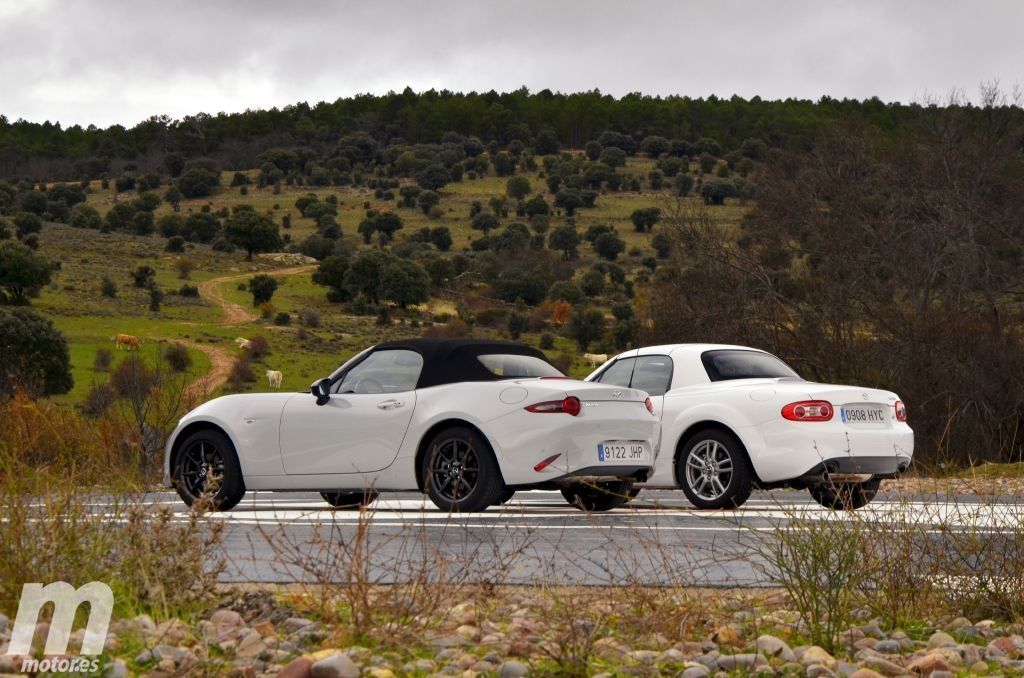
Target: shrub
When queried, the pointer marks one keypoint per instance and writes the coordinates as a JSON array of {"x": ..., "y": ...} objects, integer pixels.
[
  {"x": 262, "y": 287},
  {"x": 309, "y": 318},
  {"x": 108, "y": 288},
  {"x": 177, "y": 357},
  {"x": 283, "y": 318},
  {"x": 188, "y": 291},
  {"x": 175, "y": 244},
  {"x": 547, "y": 341},
  {"x": 266, "y": 310},
  {"x": 102, "y": 360},
  {"x": 258, "y": 348}
]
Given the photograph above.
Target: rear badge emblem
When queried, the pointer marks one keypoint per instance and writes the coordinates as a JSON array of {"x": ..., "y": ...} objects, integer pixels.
[
  {"x": 864, "y": 395},
  {"x": 616, "y": 394}
]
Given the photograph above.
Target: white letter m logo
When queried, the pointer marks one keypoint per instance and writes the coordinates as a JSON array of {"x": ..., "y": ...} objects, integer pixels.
[{"x": 66, "y": 600}]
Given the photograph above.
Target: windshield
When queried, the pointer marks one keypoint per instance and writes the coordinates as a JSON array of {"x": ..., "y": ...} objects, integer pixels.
[
  {"x": 738, "y": 364},
  {"x": 518, "y": 366}
]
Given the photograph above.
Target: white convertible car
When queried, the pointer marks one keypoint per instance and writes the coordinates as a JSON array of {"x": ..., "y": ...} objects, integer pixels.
[
  {"x": 735, "y": 418},
  {"x": 468, "y": 422}
]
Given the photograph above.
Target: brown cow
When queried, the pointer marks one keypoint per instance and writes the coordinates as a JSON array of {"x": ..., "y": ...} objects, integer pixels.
[{"x": 127, "y": 342}]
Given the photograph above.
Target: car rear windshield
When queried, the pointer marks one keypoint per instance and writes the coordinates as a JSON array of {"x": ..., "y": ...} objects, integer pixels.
[
  {"x": 517, "y": 366},
  {"x": 736, "y": 364}
]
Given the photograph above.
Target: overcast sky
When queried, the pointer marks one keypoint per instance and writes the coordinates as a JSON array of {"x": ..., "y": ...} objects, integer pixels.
[{"x": 105, "y": 62}]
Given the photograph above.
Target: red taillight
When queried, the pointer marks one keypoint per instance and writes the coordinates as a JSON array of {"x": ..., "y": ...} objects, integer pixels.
[
  {"x": 808, "y": 410},
  {"x": 901, "y": 411},
  {"x": 546, "y": 462},
  {"x": 570, "y": 405},
  {"x": 649, "y": 405}
]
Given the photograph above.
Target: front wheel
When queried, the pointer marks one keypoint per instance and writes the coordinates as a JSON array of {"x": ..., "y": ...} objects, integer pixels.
[
  {"x": 845, "y": 496},
  {"x": 206, "y": 468},
  {"x": 713, "y": 470},
  {"x": 597, "y": 497},
  {"x": 460, "y": 472},
  {"x": 349, "y": 500}
]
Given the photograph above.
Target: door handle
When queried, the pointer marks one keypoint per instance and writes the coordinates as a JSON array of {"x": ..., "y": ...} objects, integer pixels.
[{"x": 389, "y": 404}]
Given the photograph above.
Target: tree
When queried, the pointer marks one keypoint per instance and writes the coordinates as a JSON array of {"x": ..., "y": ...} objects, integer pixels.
[
  {"x": 662, "y": 245},
  {"x": 262, "y": 287},
  {"x": 252, "y": 231},
  {"x": 569, "y": 199},
  {"x": 120, "y": 216},
  {"x": 387, "y": 224},
  {"x": 546, "y": 142},
  {"x": 331, "y": 273},
  {"x": 609, "y": 245},
  {"x": 32, "y": 201},
  {"x": 22, "y": 273},
  {"x": 654, "y": 146},
  {"x": 517, "y": 323},
  {"x": 441, "y": 237},
  {"x": 173, "y": 197},
  {"x": 565, "y": 290},
  {"x": 317, "y": 246},
  {"x": 85, "y": 216},
  {"x": 511, "y": 286},
  {"x": 754, "y": 148},
  {"x": 566, "y": 239},
  {"x": 433, "y": 177},
  {"x": 486, "y": 222},
  {"x": 518, "y": 187},
  {"x": 108, "y": 288},
  {"x": 34, "y": 356},
  {"x": 201, "y": 227},
  {"x": 404, "y": 282},
  {"x": 716, "y": 191},
  {"x": 593, "y": 150},
  {"x": 592, "y": 283},
  {"x": 440, "y": 270},
  {"x": 27, "y": 222},
  {"x": 504, "y": 164},
  {"x": 175, "y": 163},
  {"x": 143, "y": 276},
  {"x": 427, "y": 200},
  {"x": 645, "y": 218},
  {"x": 585, "y": 326},
  {"x": 707, "y": 162},
  {"x": 198, "y": 182},
  {"x": 613, "y": 157},
  {"x": 536, "y": 205}
]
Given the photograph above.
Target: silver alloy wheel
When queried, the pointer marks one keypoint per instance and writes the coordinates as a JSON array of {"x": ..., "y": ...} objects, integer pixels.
[{"x": 709, "y": 469}]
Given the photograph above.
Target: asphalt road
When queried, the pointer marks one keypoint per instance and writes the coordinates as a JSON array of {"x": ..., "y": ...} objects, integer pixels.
[{"x": 656, "y": 540}]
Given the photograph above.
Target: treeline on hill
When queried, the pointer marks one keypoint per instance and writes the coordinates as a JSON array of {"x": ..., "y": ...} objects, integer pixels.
[
  {"x": 361, "y": 125},
  {"x": 878, "y": 259}
]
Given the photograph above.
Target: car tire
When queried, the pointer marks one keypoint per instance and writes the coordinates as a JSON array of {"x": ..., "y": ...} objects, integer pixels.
[
  {"x": 349, "y": 500},
  {"x": 598, "y": 497},
  {"x": 460, "y": 473},
  {"x": 714, "y": 471},
  {"x": 845, "y": 496},
  {"x": 506, "y": 495},
  {"x": 203, "y": 455}
]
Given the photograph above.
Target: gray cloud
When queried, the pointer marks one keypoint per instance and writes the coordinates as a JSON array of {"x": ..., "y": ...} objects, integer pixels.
[{"x": 117, "y": 62}]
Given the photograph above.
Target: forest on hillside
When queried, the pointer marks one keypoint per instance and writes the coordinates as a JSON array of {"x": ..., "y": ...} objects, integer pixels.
[{"x": 543, "y": 121}]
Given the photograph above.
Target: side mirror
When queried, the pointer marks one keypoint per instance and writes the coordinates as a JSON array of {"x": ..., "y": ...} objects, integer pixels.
[{"x": 321, "y": 388}]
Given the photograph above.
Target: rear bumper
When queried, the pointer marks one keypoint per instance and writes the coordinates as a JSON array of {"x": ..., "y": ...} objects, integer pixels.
[{"x": 876, "y": 467}]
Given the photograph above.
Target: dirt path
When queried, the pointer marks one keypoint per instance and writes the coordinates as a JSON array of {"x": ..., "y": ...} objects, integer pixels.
[
  {"x": 221, "y": 359},
  {"x": 236, "y": 314}
]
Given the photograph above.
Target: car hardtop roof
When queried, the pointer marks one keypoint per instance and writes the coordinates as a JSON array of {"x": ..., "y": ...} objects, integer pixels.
[
  {"x": 665, "y": 349},
  {"x": 450, "y": 361}
]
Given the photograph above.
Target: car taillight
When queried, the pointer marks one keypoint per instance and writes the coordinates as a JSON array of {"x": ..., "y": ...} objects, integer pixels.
[
  {"x": 808, "y": 410},
  {"x": 649, "y": 405},
  {"x": 570, "y": 405},
  {"x": 901, "y": 411}
]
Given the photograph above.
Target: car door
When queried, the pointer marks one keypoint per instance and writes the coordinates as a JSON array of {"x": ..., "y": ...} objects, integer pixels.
[{"x": 361, "y": 426}]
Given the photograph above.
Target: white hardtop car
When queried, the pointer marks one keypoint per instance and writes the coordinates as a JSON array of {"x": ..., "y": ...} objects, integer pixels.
[{"x": 734, "y": 418}]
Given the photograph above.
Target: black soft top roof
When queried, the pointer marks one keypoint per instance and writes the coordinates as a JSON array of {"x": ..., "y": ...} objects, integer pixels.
[{"x": 449, "y": 361}]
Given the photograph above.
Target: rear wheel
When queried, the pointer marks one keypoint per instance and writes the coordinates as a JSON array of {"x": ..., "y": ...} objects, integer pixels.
[
  {"x": 349, "y": 500},
  {"x": 506, "y": 495},
  {"x": 460, "y": 472},
  {"x": 206, "y": 468},
  {"x": 845, "y": 496},
  {"x": 597, "y": 497},
  {"x": 713, "y": 470}
]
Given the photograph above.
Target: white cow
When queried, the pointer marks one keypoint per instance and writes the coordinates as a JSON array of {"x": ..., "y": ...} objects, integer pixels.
[
  {"x": 242, "y": 343},
  {"x": 274, "y": 378},
  {"x": 595, "y": 359}
]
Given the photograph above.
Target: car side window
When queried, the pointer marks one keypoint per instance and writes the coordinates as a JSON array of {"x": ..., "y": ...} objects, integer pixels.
[
  {"x": 388, "y": 371},
  {"x": 619, "y": 374},
  {"x": 652, "y": 373}
]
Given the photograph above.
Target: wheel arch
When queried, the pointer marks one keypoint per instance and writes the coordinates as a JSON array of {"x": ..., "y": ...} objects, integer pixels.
[
  {"x": 709, "y": 425},
  {"x": 428, "y": 435},
  {"x": 193, "y": 427}
]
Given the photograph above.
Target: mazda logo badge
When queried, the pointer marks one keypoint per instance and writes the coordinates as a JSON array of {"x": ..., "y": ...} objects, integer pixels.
[{"x": 616, "y": 394}]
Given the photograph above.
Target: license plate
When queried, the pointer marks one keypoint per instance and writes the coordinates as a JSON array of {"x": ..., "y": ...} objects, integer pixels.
[
  {"x": 863, "y": 414},
  {"x": 621, "y": 451}
]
